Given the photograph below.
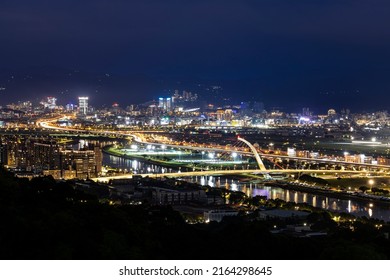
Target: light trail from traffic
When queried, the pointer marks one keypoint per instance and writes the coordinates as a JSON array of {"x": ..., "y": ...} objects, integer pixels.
[
  {"x": 47, "y": 124},
  {"x": 225, "y": 172}
]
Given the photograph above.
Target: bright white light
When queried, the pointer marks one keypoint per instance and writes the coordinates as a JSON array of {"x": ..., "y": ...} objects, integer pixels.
[
  {"x": 373, "y": 139},
  {"x": 211, "y": 155},
  {"x": 346, "y": 153},
  {"x": 163, "y": 147},
  {"x": 149, "y": 147},
  {"x": 234, "y": 155},
  {"x": 304, "y": 119},
  {"x": 134, "y": 147}
]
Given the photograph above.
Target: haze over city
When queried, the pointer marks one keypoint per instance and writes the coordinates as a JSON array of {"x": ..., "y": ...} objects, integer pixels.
[{"x": 316, "y": 54}]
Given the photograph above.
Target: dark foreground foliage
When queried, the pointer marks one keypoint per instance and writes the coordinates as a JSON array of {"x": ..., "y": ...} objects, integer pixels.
[{"x": 44, "y": 219}]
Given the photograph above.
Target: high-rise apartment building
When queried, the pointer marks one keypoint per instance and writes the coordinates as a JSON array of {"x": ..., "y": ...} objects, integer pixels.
[
  {"x": 3, "y": 153},
  {"x": 49, "y": 157}
]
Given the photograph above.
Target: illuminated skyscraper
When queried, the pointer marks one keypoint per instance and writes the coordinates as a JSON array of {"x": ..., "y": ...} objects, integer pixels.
[
  {"x": 161, "y": 102},
  {"x": 165, "y": 103},
  {"x": 169, "y": 104},
  {"x": 83, "y": 105}
]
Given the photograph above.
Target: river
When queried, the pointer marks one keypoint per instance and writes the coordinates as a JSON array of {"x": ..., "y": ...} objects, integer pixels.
[{"x": 355, "y": 207}]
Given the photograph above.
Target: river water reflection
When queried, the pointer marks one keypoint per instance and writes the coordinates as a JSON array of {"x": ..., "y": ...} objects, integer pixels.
[{"x": 355, "y": 207}]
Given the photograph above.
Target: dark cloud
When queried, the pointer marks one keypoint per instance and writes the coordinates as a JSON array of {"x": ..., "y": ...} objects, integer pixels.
[{"x": 282, "y": 41}]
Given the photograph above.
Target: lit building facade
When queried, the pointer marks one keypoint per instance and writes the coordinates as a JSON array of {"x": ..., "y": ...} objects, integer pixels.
[
  {"x": 48, "y": 157},
  {"x": 165, "y": 104},
  {"x": 83, "y": 105}
]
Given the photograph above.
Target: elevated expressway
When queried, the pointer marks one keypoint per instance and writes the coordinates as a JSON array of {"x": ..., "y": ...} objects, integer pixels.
[
  {"x": 226, "y": 172},
  {"x": 47, "y": 124}
]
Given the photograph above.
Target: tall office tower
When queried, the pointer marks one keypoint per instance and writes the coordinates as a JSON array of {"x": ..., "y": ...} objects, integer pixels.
[
  {"x": 165, "y": 104},
  {"x": 161, "y": 102},
  {"x": 83, "y": 105},
  {"x": 168, "y": 104}
]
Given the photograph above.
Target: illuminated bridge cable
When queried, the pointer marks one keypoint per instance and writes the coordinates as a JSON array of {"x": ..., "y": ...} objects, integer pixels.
[{"x": 237, "y": 147}]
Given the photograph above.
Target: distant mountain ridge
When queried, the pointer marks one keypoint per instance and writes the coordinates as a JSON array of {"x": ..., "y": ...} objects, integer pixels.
[
  {"x": 290, "y": 93},
  {"x": 67, "y": 85}
]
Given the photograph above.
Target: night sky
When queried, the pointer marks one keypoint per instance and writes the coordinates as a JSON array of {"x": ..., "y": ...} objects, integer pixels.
[{"x": 292, "y": 54}]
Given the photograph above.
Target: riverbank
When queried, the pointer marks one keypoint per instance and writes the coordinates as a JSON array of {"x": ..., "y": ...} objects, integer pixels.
[
  {"x": 329, "y": 193},
  {"x": 114, "y": 152},
  {"x": 171, "y": 163},
  {"x": 339, "y": 194}
]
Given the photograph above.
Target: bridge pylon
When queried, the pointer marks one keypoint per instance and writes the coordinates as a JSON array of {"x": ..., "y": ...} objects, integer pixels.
[{"x": 254, "y": 151}]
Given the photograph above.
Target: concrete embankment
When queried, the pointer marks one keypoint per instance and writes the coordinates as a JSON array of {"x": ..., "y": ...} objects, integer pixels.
[{"x": 328, "y": 193}]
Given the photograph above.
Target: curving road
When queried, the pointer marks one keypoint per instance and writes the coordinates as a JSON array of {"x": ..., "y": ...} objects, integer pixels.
[{"x": 48, "y": 124}]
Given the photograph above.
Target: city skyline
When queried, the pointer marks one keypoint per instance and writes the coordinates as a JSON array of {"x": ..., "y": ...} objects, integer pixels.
[{"x": 105, "y": 89}]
